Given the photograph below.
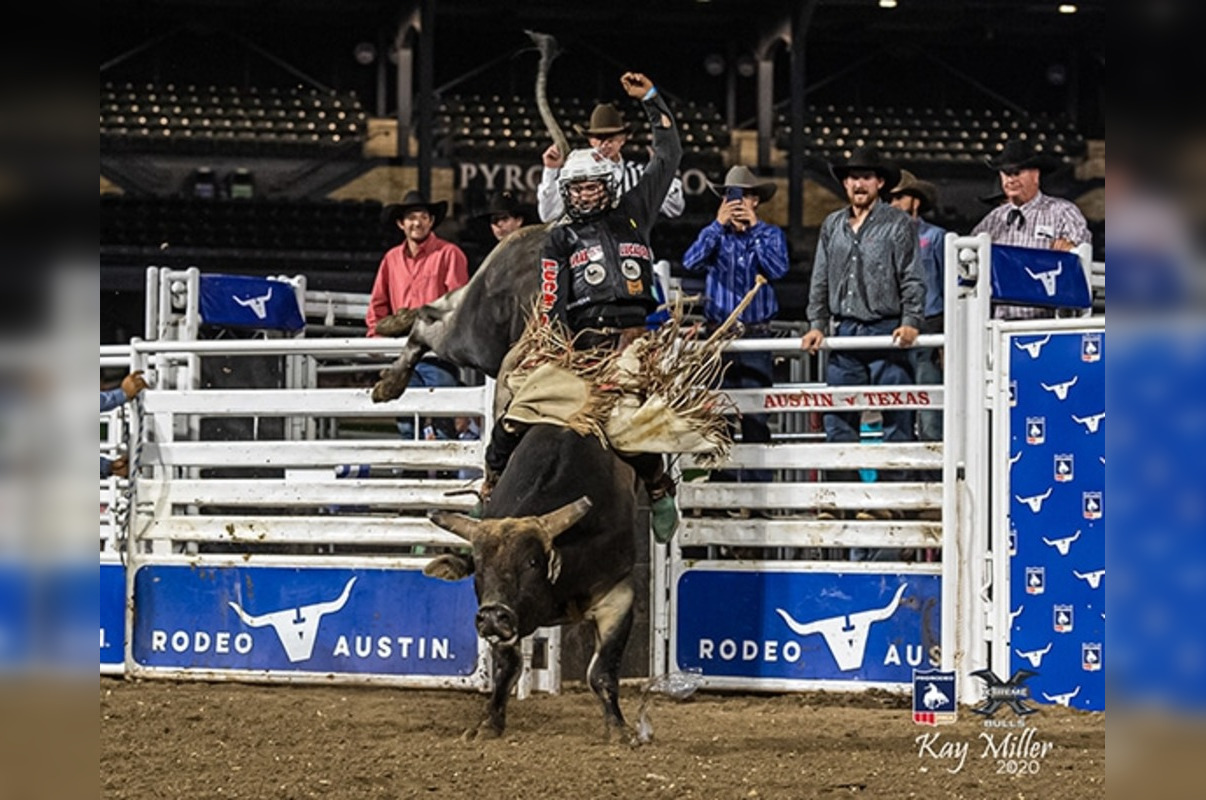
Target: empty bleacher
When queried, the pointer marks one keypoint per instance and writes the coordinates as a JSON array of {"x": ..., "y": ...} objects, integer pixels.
[
  {"x": 927, "y": 135},
  {"x": 298, "y": 121}
]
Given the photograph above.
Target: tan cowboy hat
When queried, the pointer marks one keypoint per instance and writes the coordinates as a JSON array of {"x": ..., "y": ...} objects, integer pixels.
[
  {"x": 605, "y": 120},
  {"x": 1020, "y": 154},
  {"x": 924, "y": 191},
  {"x": 411, "y": 201},
  {"x": 867, "y": 158},
  {"x": 743, "y": 177}
]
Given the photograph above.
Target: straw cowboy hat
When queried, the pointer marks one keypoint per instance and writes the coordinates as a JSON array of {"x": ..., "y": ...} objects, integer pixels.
[
  {"x": 744, "y": 178},
  {"x": 1020, "y": 154},
  {"x": 410, "y": 202},
  {"x": 605, "y": 120},
  {"x": 924, "y": 191},
  {"x": 867, "y": 158}
]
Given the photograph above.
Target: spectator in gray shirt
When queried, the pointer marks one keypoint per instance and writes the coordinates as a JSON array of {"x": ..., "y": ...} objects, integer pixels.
[{"x": 866, "y": 281}]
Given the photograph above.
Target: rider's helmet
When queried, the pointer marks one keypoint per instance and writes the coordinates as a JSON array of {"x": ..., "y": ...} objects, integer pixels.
[{"x": 582, "y": 169}]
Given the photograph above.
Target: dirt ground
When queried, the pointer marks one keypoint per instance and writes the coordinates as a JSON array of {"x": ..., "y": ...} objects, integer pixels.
[{"x": 163, "y": 739}]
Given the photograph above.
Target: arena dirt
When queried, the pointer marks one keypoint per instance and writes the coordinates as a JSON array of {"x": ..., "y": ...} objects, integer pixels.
[{"x": 163, "y": 739}]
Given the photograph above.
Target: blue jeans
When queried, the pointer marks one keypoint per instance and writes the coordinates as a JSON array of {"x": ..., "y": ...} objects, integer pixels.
[
  {"x": 927, "y": 370},
  {"x": 868, "y": 368},
  {"x": 427, "y": 373}
]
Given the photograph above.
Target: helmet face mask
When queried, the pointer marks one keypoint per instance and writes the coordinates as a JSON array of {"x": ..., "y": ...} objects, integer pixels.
[{"x": 587, "y": 184}]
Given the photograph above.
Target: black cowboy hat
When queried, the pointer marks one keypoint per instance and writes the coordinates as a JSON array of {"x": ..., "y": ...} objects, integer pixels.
[
  {"x": 924, "y": 191},
  {"x": 1021, "y": 154},
  {"x": 605, "y": 120},
  {"x": 744, "y": 178},
  {"x": 508, "y": 203},
  {"x": 411, "y": 201},
  {"x": 867, "y": 158}
]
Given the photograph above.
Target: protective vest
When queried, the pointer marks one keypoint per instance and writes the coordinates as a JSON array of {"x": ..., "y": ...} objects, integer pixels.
[{"x": 604, "y": 272}]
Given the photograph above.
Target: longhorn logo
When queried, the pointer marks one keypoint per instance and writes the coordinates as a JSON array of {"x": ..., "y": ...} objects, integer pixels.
[
  {"x": 1063, "y": 544},
  {"x": 1092, "y": 578},
  {"x": 1013, "y": 615},
  {"x": 1034, "y": 501},
  {"x": 845, "y": 634},
  {"x": 1035, "y": 657},
  {"x": 1062, "y": 699},
  {"x": 1060, "y": 390},
  {"x": 1046, "y": 278},
  {"x": 1091, "y": 423},
  {"x": 1033, "y": 348},
  {"x": 1015, "y": 459},
  {"x": 258, "y": 305},
  {"x": 297, "y": 628}
]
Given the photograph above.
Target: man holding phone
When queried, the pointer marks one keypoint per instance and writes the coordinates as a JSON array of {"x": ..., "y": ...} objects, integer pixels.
[{"x": 733, "y": 250}]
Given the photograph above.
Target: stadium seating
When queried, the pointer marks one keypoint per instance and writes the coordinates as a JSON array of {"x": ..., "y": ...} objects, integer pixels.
[
  {"x": 927, "y": 135},
  {"x": 299, "y": 121}
]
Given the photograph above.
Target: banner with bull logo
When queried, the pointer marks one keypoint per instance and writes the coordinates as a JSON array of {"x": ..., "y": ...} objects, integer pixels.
[
  {"x": 112, "y": 614},
  {"x": 391, "y": 622},
  {"x": 1057, "y": 516},
  {"x": 864, "y": 626}
]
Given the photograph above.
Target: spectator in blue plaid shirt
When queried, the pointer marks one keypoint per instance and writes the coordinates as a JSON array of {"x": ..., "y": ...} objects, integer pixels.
[
  {"x": 734, "y": 249},
  {"x": 130, "y": 386}
]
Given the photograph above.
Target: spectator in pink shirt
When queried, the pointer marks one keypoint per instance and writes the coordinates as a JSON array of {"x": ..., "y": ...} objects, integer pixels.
[{"x": 421, "y": 269}]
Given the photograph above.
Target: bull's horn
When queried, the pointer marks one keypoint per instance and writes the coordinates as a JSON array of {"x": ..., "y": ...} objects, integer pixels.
[
  {"x": 554, "y": 523},
  {"x": 460, "y": 524}
]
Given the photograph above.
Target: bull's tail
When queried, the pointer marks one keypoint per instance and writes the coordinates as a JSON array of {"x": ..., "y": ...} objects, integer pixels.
[{"x": 549, "y": 49}]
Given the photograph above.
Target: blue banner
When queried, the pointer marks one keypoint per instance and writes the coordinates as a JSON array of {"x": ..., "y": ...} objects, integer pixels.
[
  {"x": 855, "y": 626},
  {"x": 1031, "y": 277},
  {"x": 112, "y": 613},
  {"x": 1057, "y": 516},
  {"x": 343, "y": 621},
  {"x": 16, "y": 615},
  {"x": 249, "y": 302}
]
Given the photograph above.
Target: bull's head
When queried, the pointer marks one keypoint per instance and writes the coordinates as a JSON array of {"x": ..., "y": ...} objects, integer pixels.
[{"x": 515, "y": 564}]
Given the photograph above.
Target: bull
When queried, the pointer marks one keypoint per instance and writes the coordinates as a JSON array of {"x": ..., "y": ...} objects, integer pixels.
[{"x": 556, "y": 545}]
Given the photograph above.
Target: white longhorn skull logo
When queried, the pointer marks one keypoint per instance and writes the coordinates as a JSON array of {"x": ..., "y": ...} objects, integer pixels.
[
  {"x": 1033, "y": 348},
  {"x": 847, "y": 642},
  {"x": 1035, "y": 501},
  {"x": 1092, "y": 578},
  {"x": 1063, "y": 544},
  {"x": 1061, "y": 389},
  {"x": 1062, "y": 699},
  {"x": 1035, "y": 657},
  {"x": 1047, "y": 278},
  {"x": 297, "y": 628},
  {"x": 258, "y": 305},
  {"x": 1091, "y": 422}
]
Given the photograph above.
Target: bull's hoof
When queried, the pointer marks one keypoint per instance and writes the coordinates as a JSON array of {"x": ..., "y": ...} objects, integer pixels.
[
  {"x": 390, "y": 387},
  {"x": 483, "y": 731},
  {"x": 398, "y": 324},
  {"x": 623, "y": 734}
]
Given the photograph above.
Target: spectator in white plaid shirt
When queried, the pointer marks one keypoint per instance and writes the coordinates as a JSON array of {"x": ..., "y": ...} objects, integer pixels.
[{"x": 1029, "y": 218}]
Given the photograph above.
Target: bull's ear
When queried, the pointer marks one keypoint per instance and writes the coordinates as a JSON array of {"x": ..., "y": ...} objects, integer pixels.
[
  {"x": 463, "y": 526},
  {"x": 554, "y": 564},
  {"x": 449, "y": 567},
  {"x": 557, "y": 522}
]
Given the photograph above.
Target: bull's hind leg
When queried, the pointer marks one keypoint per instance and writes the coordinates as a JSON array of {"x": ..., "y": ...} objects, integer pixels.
[
  {"x": 396, "y": 376},
  {"x": 506, "y": 672},
  {"x": 612, "y": 616}
]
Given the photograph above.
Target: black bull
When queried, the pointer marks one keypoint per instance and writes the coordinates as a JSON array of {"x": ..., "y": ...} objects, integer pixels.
[{"x": 557, "y": 545}]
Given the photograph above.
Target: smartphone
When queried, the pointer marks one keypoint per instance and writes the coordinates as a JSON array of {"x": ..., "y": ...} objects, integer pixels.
[{"x": 733, "y": 193}]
